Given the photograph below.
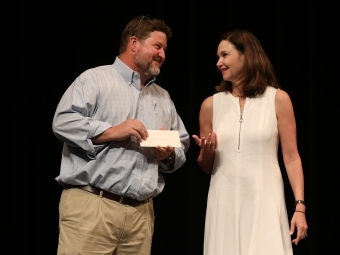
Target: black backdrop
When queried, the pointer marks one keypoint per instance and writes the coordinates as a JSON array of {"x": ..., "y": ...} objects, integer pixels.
[{"x": 57, "y": 40}]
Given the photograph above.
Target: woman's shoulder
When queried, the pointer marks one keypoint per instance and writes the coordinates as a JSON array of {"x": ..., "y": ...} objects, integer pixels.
[
  {"x": 271, "y": 90},
  {"x": 208, "y": 102},
  {"x": 282, "y": 101},
  {"x": 215, "y": 97},
  {"x": 220, "y": 94},
  {"x": 276, "y": 93},
  {"x": 281, "y": 95}
]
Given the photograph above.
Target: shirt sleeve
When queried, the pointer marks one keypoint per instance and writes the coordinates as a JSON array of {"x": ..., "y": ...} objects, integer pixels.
[
  {"x": 180, "y": 157},
  {"x": 73, "y": 122}
]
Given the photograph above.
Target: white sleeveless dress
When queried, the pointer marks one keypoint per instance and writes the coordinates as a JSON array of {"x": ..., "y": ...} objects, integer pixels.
[{"x": 246, "y": 212}]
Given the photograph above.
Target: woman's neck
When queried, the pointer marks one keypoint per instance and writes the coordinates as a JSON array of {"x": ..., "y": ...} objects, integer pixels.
[{"x": 237, "y": 91}]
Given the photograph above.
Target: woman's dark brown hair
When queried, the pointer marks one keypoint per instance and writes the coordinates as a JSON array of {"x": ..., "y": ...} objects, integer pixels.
[
  {"x": 258, "y": 72},
  {"x": 141, "y": 27}
]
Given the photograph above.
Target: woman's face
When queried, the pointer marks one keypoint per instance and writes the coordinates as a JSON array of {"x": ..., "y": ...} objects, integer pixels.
[{"x": 230, "y": 62}]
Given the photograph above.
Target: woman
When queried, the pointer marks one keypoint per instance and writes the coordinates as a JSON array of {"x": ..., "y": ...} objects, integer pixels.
[{"x": 240, "y": 129}]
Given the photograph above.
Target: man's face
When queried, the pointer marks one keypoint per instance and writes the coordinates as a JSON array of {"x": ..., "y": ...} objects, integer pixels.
[{"x": 151, "y": 54}]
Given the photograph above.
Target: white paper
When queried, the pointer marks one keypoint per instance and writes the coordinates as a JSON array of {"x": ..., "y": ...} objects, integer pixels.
[{"x": 162, "y": 138}]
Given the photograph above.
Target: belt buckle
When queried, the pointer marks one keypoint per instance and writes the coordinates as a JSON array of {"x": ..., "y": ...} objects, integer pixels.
[
  {"x": 123, "y": 200},
  {"x": 126, "y": 200}
]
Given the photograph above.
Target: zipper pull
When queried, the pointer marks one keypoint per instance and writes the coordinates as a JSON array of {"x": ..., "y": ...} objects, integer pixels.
[{"x": 241, "y": 118}]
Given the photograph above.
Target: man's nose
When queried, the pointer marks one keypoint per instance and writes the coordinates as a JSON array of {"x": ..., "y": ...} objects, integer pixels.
[{"x": 161, "y": 53}]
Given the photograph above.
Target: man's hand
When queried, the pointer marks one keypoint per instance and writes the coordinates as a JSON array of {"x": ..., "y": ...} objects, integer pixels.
[
  {"x": 128, "y": 128},
  {"x": 162, "y": 152},
  {"x": 124, "y": 130}
]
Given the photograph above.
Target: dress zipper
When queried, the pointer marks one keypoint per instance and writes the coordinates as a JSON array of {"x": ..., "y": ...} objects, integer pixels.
[{"x": 239, "y": 132}]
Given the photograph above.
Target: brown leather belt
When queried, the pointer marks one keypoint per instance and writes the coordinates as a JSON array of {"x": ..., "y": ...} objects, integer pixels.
[{"x": 120, "y": 199}]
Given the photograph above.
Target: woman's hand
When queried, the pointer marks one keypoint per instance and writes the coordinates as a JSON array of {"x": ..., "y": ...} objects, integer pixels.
[
  {"x": 208, "y": 146},
  {"x": 298, "y": 222},
  {"x": 209, "y": 143}
]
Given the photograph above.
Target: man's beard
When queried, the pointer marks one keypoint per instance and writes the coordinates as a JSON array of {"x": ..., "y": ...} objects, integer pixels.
[{"x": 144, "y": 65}]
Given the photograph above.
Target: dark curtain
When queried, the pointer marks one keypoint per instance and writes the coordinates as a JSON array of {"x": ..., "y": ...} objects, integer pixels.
[{"x": 57, "y": 40}]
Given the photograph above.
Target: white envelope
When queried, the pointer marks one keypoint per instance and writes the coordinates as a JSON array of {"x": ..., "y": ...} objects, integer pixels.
[{"x": 162, "y": 138}]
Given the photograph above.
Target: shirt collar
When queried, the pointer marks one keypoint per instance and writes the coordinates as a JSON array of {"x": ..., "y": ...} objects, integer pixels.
[{"x": 131, "y": 77}]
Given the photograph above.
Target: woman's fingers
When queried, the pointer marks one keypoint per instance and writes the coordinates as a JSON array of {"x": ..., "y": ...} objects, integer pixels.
[{"x": 206, "y": 142}]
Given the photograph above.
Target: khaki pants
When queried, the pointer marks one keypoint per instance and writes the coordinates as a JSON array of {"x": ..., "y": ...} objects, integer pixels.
[{"x": 90, "y": 225}]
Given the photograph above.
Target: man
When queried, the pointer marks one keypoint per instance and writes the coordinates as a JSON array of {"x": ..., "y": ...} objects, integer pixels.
[{"x": 109, "y": 179}]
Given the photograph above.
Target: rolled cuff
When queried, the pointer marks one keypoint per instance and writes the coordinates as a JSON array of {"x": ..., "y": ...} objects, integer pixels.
[{"x": 98, "y": 128}]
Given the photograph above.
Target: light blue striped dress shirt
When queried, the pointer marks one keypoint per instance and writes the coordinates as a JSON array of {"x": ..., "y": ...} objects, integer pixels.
[{"x": 102, "y": 97}]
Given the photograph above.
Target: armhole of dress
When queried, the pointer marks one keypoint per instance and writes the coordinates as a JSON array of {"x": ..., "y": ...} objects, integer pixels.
[
  {"x": 214, "y": 105},
  {"x": 274, "y": 99}
]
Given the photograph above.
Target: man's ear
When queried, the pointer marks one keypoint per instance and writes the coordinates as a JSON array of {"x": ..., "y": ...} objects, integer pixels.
[{"x": 133, "y": 43}]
